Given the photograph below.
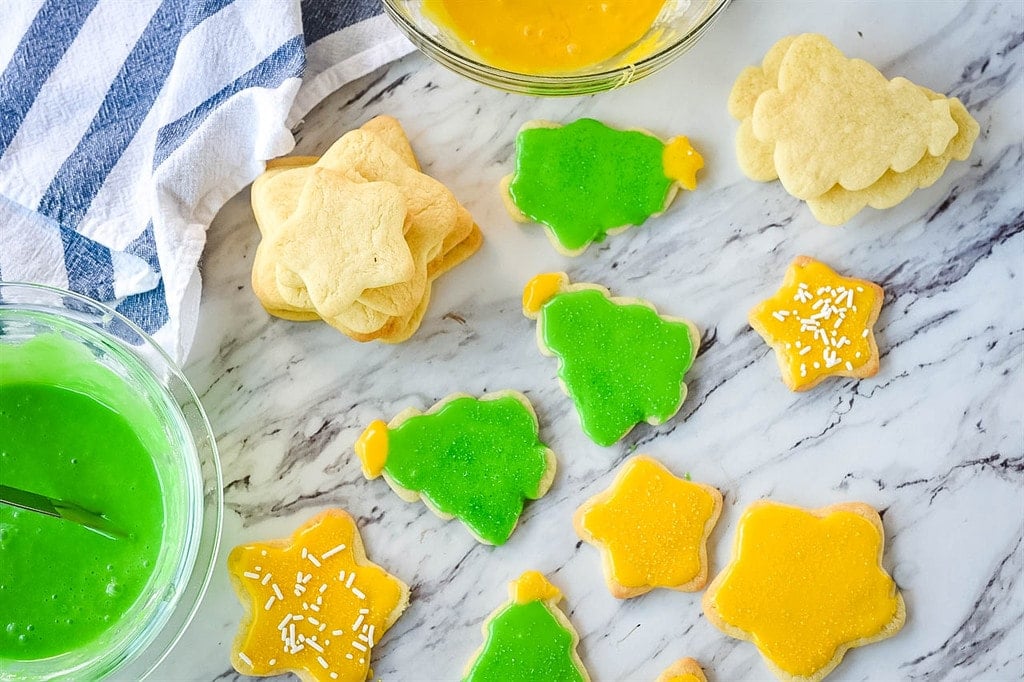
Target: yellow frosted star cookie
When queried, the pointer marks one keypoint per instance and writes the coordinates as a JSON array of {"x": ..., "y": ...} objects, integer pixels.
[
  {"x": 805, "y": 586},
  {"x": 683, "y": 670},
  {"x": 651, "y": 528},
  {"x": 820, "y": 324},
  {"x": 316, "y": 605}
]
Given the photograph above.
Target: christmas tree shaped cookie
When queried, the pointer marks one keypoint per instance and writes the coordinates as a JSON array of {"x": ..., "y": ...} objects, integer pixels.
[
  {"x": 585, "y": 180},
  {"x": 820, "y": 324},
  {"x": 316, "y": 606},
  {"x": 621, "y": 362},
  {"x": 472, "y": 459},
  {"x": 683, "y": 670},
  {"x": 805, "y": 586},
  {"x": 528, "y": 638},
  {"x": 652, "y": 529}
]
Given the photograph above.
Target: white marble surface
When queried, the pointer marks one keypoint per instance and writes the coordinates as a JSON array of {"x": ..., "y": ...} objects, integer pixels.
[{"x": 935, "y": 440}]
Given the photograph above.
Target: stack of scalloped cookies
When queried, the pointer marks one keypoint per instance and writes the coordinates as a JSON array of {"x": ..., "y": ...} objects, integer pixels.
[
  {"x": 356, "y": 238},
  {"x": 838, "y": 134}
]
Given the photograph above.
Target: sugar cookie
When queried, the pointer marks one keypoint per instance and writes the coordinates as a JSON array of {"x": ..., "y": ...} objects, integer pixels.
[
  {"x": 472, "y": 459},
  {"x": 683, "y": 670},
  {"x": 584, "y": 181},
  {"x": 651, "y": 528},
  {"x": 528, "y": 638},
  {"x": 316, "y": 606},
  {"x": 805, "y": 586},
  {"x": 820, "y": 324},
  {"x": 621, "y": 362}
]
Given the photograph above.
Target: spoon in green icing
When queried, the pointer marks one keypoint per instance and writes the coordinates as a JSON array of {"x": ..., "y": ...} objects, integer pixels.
[{"x": 61, "y": 509}]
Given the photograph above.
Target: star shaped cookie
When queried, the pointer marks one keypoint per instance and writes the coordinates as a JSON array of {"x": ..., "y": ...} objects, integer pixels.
[
  {"x": 316, "y": 605},
  {"x": 683, "y": 670},
  {"x": 805, "y": 586},
  {"x": 651, "y": 528},
  {"x": 820, "y": 324}
]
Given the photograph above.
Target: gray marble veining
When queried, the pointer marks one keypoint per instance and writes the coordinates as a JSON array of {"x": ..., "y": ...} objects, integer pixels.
[{"x": 935, "y": 441}]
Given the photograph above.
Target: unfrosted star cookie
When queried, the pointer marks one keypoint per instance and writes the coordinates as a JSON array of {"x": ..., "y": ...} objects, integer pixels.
[
  {"x": 805, "y": 586},
  {"x": 651, "y": 528},
  {"x": 820, "y": 324},
  {"x": 472, "y": 459},
  {"x": 528, "y": 638},
  {"x": 683, "y": 670},
  {"x": 316, "y": 606},
  {"x": 620, "y": 361},
  {"x": 585, "y": 180}
]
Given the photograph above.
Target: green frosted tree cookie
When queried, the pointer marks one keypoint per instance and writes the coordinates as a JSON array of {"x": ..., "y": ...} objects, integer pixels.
[
  {"x": 585, "y": 180},
  {"x": 472, "y": 459},
  {"x": 621, "y": 362},
  {"x": 528, "y": 638}
]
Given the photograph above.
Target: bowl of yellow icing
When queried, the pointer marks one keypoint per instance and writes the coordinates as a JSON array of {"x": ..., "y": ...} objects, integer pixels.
[{"x": 541, "y": 47}]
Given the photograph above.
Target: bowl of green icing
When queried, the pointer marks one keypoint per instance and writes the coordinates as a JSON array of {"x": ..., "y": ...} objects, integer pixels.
[{"x": 93, "y": 412}]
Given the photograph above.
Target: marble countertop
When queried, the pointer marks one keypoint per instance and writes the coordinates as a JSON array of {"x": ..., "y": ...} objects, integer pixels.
[{"x": 935, "y": 441}]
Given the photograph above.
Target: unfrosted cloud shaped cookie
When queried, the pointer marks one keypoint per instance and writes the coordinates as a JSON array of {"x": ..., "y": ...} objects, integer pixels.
[
  {"x": 585, "y": 180},
  {"x": 805, "y": 586},
  {"x": 473, "y": 459},
  {"x": 620, "y": 361}
]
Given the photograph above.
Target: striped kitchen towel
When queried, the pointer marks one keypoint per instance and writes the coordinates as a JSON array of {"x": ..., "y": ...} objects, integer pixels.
[{"x": 126, "y": 124}]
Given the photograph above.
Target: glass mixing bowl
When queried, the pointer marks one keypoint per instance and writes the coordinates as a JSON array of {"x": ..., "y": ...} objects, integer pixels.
[
  {"x": 188, "y": 470},
  {"x": 678, "y": 27}
]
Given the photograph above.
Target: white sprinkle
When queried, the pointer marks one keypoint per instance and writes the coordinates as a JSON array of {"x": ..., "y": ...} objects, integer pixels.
[
  {"x": 291, "y": 633},
  {"x": 315, "y": 607},
  {"x": 307, "y": 578},
  {"x": 358, "y": 645},
  {"x": 369, "y": 637},
  {"x": 794, "y": 312},
  {"x": 817, "y": 365},
  {"x": 272, "y": 661},
  {"x": 298, "y": 618},
  {"x": 341, "y": 576},
  {"x": 857, "y": 355},
  {"x": 270, "y": 602},
  {"x": 323, "y": 626},
  {"x": 263, "y": 552},
  {"x": 860, "y": 288},
  {"x": 359, "y": 621},
  {"x": 805, "y": 350},
  {"x": 802, "y": 285},
  {"x": 313, "y": 560},
  {"x": 312, "y": 643},
  {"x": 838, "y": 322},
  {"x": 849, "y": 366},
  {"x": 332, "y": 551},
  {"x": 284, "y": 622},
  {"x": 817, "y": 304},
  {"x": 305, "y": 552},
  {"x": 313, "y": 621},
  {"x": 803, "y": 369},
  {"x": 359, "y": 593},
  {"x": 246, "y": 659},
  {"x": 798, "y": 344},
  {"x": 351, "y": 577},
  {"x": 334, "y": 676},
  {"x": 277, "y": 591},
  {"x": 335, "y": 633},
  {"x": 305, "y": 606},
  {"x": 298, "y": 648},
  {"x": 321, "y": 661},
  {"x": 258, "y": 568},
  {"x": 788, "y": 345},
  {"x": 364, "y": 611},
  {"x": 250, "y": 574},
  {"x": 778, "y": 316},
  {"x": 348, "y": 656},
  {"x": 866, "y": 332},
  {"x": 266, "y": 578},
  {"x": 322, "y": 588}
]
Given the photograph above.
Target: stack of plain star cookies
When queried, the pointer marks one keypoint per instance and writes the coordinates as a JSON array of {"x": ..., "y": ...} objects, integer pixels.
[
  {"x": 357, "y": 237},
  {"x": 838, "y": 134}
]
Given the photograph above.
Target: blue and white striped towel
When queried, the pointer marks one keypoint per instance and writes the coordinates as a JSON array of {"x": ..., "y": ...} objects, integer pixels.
[{"x": 126, "y": 124}]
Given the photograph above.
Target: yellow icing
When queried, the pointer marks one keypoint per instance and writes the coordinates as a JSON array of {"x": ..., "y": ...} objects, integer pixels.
[
  {"x": 533, "y": 586},
  {"x": 540, "y": 36},
  {"x": 819, "y": 310},
  {"x": 539, "y": 289},
  {"x": 372, "y": 448},
  {"x": 653, "y": 525},
  {"x": 681, "y": 162},
  {"x": 801, "y": 585},
  {"x": 685, "y": 677},
  {"x": 340, "y": 608}
]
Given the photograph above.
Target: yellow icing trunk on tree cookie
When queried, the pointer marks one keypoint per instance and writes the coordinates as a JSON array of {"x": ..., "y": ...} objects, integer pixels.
[
  {"x": 541, "y": 288},
  {"x": 681, "y": 161},
  {"x": 372, "y": 448},
  {"x": 533, "y": 586}
]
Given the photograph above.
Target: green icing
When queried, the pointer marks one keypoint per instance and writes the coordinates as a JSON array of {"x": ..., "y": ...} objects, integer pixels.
[
  {"x": 473, "y": 459},
  {"x": 621, "y": 364},
  {"x": 585, "y": 178},
  {"x": 526, "y": 642}
]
